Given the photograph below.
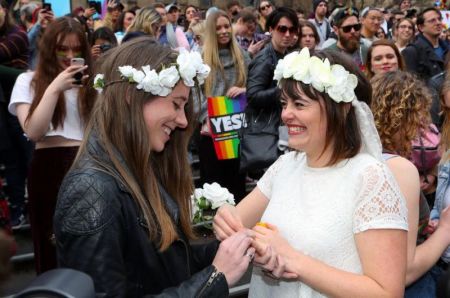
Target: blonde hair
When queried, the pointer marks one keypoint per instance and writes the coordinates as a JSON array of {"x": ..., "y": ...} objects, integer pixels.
[
  {"x": 400, "y": 106},
  {"x": 445, "y": 135},
  {"x": 211, "y": 53},
  {"x": 144, "y": 20}
]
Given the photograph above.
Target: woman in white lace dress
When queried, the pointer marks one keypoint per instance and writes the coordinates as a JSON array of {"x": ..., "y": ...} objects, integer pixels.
[{"x": 334, "y": 218}]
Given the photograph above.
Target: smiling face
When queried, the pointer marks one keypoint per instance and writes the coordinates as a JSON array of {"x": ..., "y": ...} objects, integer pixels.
[
  {"x": 383, "y": 59},
  {"x": 372, "y": 21},
  {"x": 405, "y": 30},
  {"x": 163, "y": 115},
  {"x": 223, "y": 31},
  {"x": 306, "y": 123}
]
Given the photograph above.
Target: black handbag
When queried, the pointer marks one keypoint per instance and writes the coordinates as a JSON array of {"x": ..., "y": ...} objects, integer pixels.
[{"x": 259, "y": 140}]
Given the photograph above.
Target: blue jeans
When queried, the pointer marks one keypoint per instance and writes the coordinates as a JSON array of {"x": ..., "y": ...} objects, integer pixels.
[{"x": 425, "y": 287}]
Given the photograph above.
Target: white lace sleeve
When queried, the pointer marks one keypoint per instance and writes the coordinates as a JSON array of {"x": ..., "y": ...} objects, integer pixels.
[
  {"x": 380, "y": 203},
  {"x": 265, "y": 183}
]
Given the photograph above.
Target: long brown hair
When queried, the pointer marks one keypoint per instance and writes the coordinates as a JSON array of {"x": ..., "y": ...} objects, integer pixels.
[
  {"x": 118, "y": 121},
  {"x": 46, "y": 70},
  {"x": 211, "y": 54}
]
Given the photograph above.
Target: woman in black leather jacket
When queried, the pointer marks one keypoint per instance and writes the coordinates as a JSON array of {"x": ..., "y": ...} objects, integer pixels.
[{"x": 123, "y": 212}]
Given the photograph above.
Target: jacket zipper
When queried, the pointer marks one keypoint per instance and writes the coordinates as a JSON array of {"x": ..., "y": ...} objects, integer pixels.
[{"x": 211, "y": 279}]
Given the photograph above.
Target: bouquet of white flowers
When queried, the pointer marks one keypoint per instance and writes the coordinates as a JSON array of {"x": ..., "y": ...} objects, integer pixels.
[{"x": 206, "y": 200}]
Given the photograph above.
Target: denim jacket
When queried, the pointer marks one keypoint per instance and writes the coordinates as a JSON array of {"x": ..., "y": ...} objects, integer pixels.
[{"x": 442, "y": 185}]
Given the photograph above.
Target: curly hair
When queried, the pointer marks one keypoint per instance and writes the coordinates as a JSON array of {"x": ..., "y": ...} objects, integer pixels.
[{"x": 400, "y": 106}]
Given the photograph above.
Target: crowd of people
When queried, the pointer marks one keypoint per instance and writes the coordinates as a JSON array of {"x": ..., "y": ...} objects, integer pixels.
[{"x": 100, "y": 114}]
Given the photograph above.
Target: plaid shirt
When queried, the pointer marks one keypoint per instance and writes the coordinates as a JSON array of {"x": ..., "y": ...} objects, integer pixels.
[{"x": 244, "y": 42}]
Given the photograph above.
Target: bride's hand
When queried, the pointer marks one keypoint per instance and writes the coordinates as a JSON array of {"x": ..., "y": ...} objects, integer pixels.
[{"x": 273, "y": 265}]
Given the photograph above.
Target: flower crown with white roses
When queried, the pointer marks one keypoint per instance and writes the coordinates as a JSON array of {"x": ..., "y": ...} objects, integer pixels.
[
  {"x": 334, "y": 79},
  {"x": 189, "y": 66}
]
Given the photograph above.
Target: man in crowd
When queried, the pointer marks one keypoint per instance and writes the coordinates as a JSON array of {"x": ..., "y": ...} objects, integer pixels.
[
  {"x": 371, "y": 19},
  {"x": 245, "y": 30},
  {"x": 320, "y": 21},
  {"x": 348, "y": 30},
  {"x": 233, "y": 9},
  {"x": 426, "y": 55},
  {"x": 170, "y": 34}
]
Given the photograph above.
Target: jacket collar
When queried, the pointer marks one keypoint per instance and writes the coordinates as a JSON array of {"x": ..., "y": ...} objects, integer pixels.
[{"x": 95, "y": 148}]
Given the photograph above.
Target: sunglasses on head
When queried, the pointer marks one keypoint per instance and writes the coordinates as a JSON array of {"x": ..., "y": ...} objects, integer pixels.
[
  {"x": 264, "y": 7},
  {"x": 283, "y": 29},
  {"x": 348, "y": 28}
]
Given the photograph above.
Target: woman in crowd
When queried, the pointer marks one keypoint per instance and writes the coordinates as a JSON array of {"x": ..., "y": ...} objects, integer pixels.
[
  {"x": 400, "y": 105},
  {"x": 123, "y": 213},
  {"x": 103, "y": 39},
  {"x": 192, "y": 18},
  {"x": 198, "y": 35},
  {"x": 404, "y": 33},
  {"x": 440, "y": 210},
  {"x": 264, "y": 9},
  {"x": 147, "y": 22},
  {"x": 228, "y": 76},
  {"x": 383, "y": 56},
  {"x": 262, "y": 91},
  {"x": 316, "y": 227},
  {"x": 123, "y": 22},
  {"x": 309, "y": 37},
  {"x": 52, "y": 106}
]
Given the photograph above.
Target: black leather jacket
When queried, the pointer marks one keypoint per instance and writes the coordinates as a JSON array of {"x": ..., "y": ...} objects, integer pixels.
[
  {"x": 262, "y": 90},
  {"x": 100, "y": 230}
]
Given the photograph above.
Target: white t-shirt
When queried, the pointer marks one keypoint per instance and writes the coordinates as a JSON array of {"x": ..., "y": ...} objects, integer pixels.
[
  {"x": 319, "y": 211},
  {"x": 24, "y": 93}
]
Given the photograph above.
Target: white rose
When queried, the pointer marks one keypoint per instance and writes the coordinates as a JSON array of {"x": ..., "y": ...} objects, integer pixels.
[
  {"x": 99, "y": 82},
  {"x": 188, "y": 72},
  {"x": 320, "y": 74},
  {"x": 126, "y": 71},
  {"x": 217, "y": 195},
  {"x": 168, "y": 77},
  {"x": 151, "y": 82},
  {"x": 279, "y": 69},
  {"x": 202, "y": 73},
  {"x": 164, "y": 91},
  {"x": 344, "y": 85},
  {"x": 138, "y": 76},
  {"x": 301, "y": 67}
]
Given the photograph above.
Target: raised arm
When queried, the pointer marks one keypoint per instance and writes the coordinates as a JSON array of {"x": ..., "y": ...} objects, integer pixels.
[{"x": 38, "y": 123}]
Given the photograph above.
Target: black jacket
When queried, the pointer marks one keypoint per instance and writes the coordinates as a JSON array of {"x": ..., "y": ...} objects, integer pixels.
[
  {"x": 262, "y": 91},
  {"x": 100, "y": 230},
  {"x": 421, "y": 59}
]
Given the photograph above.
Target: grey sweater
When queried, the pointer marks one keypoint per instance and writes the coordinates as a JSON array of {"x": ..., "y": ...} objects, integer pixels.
[{"x": 221, "y": 83}]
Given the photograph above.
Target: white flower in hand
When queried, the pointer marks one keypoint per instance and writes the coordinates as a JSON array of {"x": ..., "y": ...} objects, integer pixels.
[{"x": 217, "y": 195}]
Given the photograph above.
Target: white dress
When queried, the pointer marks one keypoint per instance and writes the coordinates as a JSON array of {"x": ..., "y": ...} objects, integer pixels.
[{"x": 319, "y": 210}]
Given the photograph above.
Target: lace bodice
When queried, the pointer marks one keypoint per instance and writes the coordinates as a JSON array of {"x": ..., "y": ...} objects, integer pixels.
[{"x": 320, "y": 209}]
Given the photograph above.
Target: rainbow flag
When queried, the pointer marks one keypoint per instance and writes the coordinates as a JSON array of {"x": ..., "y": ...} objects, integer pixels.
[{"x": 226, "y": 118}]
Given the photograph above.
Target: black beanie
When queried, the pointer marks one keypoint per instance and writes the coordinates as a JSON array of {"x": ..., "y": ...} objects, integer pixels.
[{"x": 316, "y": 3}]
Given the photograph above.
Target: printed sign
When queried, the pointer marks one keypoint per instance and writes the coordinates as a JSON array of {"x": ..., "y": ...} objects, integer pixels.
[{"x": 226, "y": 118}]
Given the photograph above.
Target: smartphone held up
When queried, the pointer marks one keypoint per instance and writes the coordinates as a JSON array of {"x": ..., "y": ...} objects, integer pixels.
[{"x": 79, "y": 75}]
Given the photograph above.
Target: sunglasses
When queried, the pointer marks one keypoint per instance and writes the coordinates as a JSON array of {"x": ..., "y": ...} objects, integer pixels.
[
  {"x": 264, "y": 7},
  {"x": 283, "y": 29},
  {"x": 348, "y": 28}
]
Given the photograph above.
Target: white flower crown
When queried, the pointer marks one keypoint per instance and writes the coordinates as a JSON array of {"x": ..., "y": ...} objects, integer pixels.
[
  {"x": 334, "y": 79},
  {"x": 188, "y": 67}
]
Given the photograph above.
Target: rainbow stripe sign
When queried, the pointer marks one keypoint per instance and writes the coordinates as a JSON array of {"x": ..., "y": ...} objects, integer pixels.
[{"x": 226, "y": 117}]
